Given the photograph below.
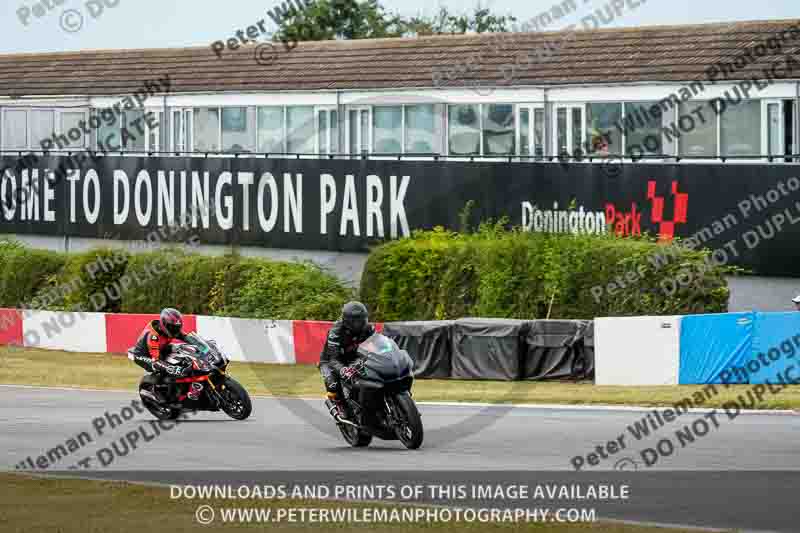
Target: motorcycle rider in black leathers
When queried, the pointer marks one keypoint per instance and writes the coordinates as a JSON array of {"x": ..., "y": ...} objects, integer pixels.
[{"x": 341, "y": 351}]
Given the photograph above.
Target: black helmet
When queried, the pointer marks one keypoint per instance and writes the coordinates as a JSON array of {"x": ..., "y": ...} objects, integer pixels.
[
  {"x": 355, "y": 316},
  {"x": 171, "y": 322}
]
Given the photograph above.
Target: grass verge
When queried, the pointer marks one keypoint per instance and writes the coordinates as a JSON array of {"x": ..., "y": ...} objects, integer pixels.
[
  {"x": 25, "y": 366},
  {"x": 78, "y": 506}
]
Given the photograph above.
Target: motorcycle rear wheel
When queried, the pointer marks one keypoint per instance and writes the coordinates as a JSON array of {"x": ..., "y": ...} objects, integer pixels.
[
  {"x": 409, "y": 429},
  {"x": 355, "y": 437},
  {"x": 161, "y": 412}
]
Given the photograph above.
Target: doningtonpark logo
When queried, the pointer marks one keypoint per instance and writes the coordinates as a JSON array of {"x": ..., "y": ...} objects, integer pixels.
[{"x": 623, "y": 221}]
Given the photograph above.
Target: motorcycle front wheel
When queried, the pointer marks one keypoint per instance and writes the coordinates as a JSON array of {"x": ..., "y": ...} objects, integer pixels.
[
  {"x": 235, "y": 400},
  {"x": 409, "y": 422}
]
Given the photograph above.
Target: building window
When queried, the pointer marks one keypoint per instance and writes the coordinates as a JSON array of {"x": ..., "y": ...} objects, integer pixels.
[
  {"x": 423, "y": 129},
  {"x": 300, "y": 130},
  {"x": 359, "y": 131},
  {"x": 740, "y": 129},
  {"x": 569, "y": 125},
  {"x": 387, "y": 133},
  {"x": 15, "y": 129},
  {"x": 43, "y": 126},
  {"x": 701, "y": 140},
  {"x": 108, "y": 136},
  {"x": 531, "y": 130},
  {"x": 270, "y": 130},
  {"x": 238, "y": 129},
  {"x": 601, "y": 126},
  {"x": 464, "y": 129},
  {"x": 135, "y": 124},
  {"x": 206, "y": 130},
  {"x": 327, "y": 131},
  {"x": 642, "y": 124},
  {"x": 71, "y": 122},
  {"x": 498, "y": 129}
]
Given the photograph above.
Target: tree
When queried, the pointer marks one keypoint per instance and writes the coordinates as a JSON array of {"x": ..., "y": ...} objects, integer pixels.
[
  {"x": 368, "y": 19},
  {"x": 480, "y": 21},
  {"x": 340, "y": 19}
]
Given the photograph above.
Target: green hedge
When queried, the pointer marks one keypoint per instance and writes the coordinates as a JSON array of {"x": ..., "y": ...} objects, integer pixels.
[
  {"x": 23, "y": 272},
  {"x": 107, "y": 280},
  {"x": 438, "y": 274}
]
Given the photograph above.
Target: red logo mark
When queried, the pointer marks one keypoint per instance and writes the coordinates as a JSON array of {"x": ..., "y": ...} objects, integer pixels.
[{"x": 666, "y": 228}]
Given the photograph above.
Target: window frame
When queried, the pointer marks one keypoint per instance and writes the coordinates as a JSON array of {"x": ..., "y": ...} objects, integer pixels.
[{"x": 532, "y": 108}]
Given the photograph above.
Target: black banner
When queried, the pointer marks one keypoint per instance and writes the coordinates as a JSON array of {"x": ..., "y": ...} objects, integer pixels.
[{"x": 748, "y": 213}]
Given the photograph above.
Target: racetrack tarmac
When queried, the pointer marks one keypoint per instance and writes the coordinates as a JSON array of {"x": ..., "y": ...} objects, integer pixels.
[{"x": 296, "y": 434}]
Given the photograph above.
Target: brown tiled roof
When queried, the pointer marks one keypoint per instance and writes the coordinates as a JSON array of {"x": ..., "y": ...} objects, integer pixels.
[{"x": 658, "y": 53}]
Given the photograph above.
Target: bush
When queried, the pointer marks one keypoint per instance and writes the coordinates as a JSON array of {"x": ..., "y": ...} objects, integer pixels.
[
  {"x": 88, "y": 281},
  {"x": 23, "y": 272},
  {"x": 285, "y": 291},
  {"x": 172, "y": 278},
  {"x": 106, "y": 280},
  {"x": 495, "y": 272}
]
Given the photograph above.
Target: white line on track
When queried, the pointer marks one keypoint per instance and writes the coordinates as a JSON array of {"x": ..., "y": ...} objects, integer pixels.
[{"x": 552, "y": 407}]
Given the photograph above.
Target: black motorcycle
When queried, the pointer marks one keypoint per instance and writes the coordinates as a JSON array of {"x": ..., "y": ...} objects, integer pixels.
[
  {"x": 377, "y": 401},
  {"x": 202, "y": 383}
]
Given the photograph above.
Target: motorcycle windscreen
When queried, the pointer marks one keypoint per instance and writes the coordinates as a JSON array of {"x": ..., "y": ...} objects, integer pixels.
[
  {"x": 384, "y": 360},
  {"x": 377, "y": 344}
]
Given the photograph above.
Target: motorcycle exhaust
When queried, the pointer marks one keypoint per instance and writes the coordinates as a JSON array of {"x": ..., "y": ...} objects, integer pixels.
[
  {"x": 339, "y": 420},
  {"x": 149, "y": 395}
]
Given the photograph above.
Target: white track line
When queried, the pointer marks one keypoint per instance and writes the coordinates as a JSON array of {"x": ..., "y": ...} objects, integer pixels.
[{"x": 551, "y": 407}]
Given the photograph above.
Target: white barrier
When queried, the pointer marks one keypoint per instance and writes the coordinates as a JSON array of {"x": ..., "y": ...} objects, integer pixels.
[
  {"x": 68, "y": 331},
  {"x": 637, "y": 350},
  {"x": 255, "y": 341}
]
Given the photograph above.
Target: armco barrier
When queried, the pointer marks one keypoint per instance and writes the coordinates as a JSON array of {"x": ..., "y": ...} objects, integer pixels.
[
  {"x": 777, "y": 341},
  {"x": 123, "y": 330},
  {"x": 254, "y": 341},
  {"x": 637, "y": 350},
  {"x": 712, "y": 343},
  {"x": 11, "y": 327},
  {"x": 68, "y": 331}
]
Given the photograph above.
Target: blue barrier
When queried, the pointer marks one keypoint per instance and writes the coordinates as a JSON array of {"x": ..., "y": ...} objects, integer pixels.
[
  {"x": 712, "y": 344},
  {"x": 776, "y": 348}
]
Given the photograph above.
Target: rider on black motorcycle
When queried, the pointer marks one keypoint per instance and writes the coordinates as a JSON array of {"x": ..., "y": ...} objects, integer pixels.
[
  {"x": 154, "y": 342},
  {"x": 341, "y": 350}
]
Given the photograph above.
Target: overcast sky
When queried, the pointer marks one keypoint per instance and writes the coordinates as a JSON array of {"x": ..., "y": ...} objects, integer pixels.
[{"x": 176, "y": 23}]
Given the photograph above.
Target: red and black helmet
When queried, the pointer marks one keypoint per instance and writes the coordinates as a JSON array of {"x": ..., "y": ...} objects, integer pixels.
[{"x": 171, "y": 322}]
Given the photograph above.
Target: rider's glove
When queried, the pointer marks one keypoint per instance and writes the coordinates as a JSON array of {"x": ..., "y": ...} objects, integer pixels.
[{"x": 348, "y": 373}]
